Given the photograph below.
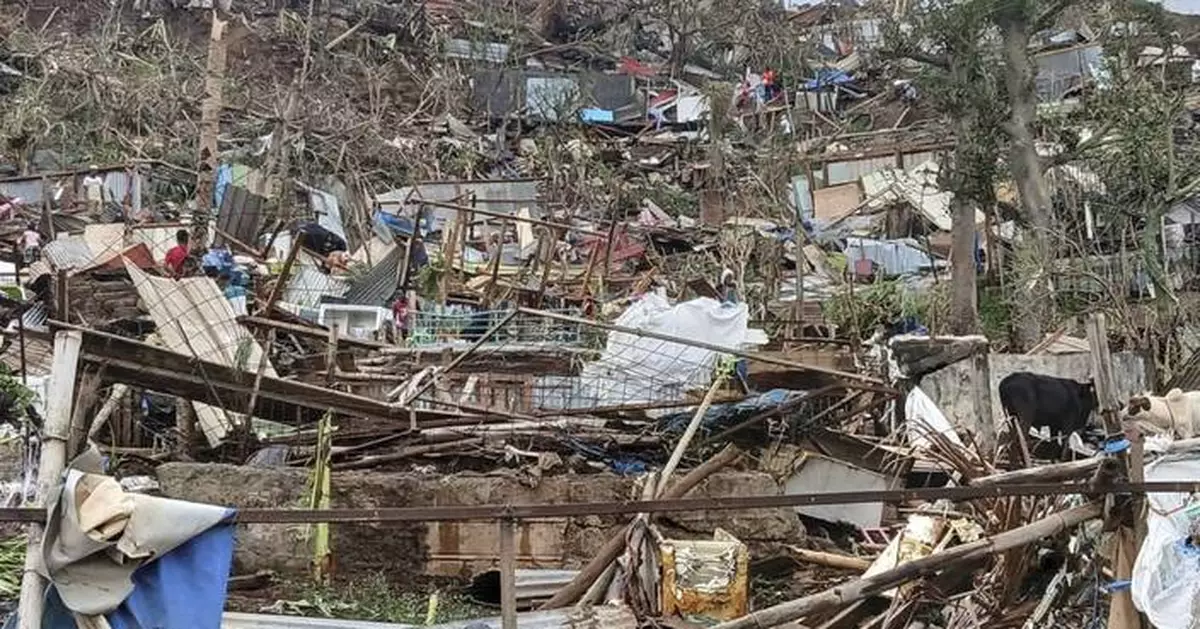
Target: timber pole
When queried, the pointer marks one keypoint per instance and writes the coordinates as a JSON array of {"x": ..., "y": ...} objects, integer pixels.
[{"x": 53, "y": 459}]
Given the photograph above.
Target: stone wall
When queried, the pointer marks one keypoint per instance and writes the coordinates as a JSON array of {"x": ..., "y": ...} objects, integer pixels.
[{"x": 407, "y": 550}]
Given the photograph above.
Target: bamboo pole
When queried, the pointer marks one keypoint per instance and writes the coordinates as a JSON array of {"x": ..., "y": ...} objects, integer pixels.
[
  {"x": 616, "y": 544},
  {"x": 848, "y": 593},
  {"x": 67, "y": 347},
  {"x": 281, "y": 283}
]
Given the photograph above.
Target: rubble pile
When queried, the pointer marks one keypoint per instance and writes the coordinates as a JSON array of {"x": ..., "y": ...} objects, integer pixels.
[{"x": 584, "y": 304}]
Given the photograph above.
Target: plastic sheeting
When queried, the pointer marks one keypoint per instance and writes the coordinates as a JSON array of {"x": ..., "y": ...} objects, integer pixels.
[
  {"x": 896, "y": 257},
  {"x": 1166, "y": 576},
  {"x": 640, "y": 370},
  {"x": 925, "y": 418}
]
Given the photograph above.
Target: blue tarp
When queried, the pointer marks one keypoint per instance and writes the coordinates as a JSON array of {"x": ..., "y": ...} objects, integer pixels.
[
  {"x": 224, "y": 180},
  {"x": 183, "y": 589},
  {"x": 720, "y": 416},
  {"x": 828, "y": 78},
  {"x": 402, "y": 225},
  {"x": 220, "y": 259},
  {"x": 593, "y": 114}
]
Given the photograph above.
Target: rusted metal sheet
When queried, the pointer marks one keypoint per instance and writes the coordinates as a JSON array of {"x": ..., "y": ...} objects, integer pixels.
[{"x": 706, "y": 578}]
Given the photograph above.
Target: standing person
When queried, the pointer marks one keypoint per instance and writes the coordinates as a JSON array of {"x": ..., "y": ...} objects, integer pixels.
[
  {"x": 93, "y": 189},
  {"x": 178, "y": 254},
  {"x": 32, "y": 244},
  {"x": 400, "y": 317}
]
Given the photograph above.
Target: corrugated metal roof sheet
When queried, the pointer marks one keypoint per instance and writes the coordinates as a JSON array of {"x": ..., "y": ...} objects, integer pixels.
[
  {"x": 595, "y": 617},
  {"x": 240, "y": 215},
  {"x": 39, "y": 355},
  {"x": 477, "y": 51},
  {"x": 918, "y": 188},
  {"x": 308, "y": 285},
  {"x": 118, "y": 183},
  {"x": 194, "y": 318},
  {"x": 104, "y": 238},
  {"x": 329, "y": 214},
  {"x": 379, "y": 283},
  {"x": 67, "y": 253}
]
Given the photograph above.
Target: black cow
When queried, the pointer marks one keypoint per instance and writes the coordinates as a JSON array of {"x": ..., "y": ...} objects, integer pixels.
[{"x": 1063, "y": 405}]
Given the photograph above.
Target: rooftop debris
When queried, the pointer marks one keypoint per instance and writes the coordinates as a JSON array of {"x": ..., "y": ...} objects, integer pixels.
[{"x": 497, "y": 257}]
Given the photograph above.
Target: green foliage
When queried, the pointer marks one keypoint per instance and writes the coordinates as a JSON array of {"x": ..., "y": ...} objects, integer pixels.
[
  {"x": 995, "y": 314},
  {"x": 10, "y": 385},
  {"x": 12, "y": 564},
  {"x": 374, "y": 597},
  {"x": 429, "y": 276},
  {"x": 873, "y": 305}
]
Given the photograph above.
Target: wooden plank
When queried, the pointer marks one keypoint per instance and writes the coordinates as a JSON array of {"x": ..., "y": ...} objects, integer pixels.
[
  {"x": 508, "y": 573},
  {"x": 136, "y": 363}
]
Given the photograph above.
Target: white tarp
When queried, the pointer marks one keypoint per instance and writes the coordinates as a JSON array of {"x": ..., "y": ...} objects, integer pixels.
[
  {"x": 924, "y": 418},
  {"x": 1166, "y": 576},
  {"x": 639, "y": 370}
]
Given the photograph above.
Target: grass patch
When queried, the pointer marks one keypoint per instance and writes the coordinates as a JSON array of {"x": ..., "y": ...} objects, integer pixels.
[
  {"x": 12, "y": 562},
  {"x": 373, "y": 597}
]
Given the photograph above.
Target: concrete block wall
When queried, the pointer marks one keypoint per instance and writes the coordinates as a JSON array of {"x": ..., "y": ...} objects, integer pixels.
[{"x": 455, "y": 549}]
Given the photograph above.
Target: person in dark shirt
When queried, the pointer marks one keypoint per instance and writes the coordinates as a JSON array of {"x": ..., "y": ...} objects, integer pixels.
[{"x": 318, "y": 239}]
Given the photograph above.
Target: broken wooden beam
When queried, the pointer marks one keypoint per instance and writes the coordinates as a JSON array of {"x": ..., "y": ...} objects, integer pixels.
[
  {"x": 139, "y": 364},
  {"x": 1042, "y": 474},
  {"x": 315, "y": 332},
  {"x": 53, "y": 459}
]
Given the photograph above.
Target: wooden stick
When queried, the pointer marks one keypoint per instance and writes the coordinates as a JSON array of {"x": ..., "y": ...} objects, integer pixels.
[
  {"x": 277, "y": 289},
  {"x": 115, "y": 396},
  {"x": 616, "y": 544},
  {"x": 511, "y": 217},
  {"x": 831, "y": 560},
  {"x": 331, "y": 349},
  {"x": 508, "y": 573},
  {"x": 1043, "y": 474},
  {"x": 690, "y": 432},
  {"x": 65, "y": 365},
  {"x": 862, "y": 588},
  {"x": 379, "y": 459}
]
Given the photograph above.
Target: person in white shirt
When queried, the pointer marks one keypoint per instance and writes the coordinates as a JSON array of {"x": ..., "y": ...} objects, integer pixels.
[{"x": 93, "y": 189}]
